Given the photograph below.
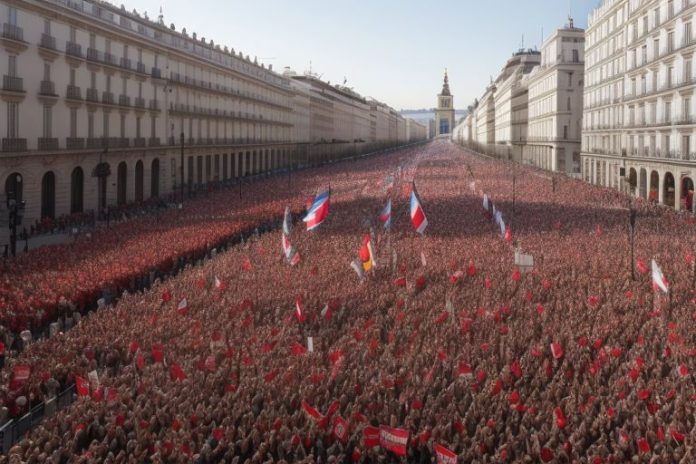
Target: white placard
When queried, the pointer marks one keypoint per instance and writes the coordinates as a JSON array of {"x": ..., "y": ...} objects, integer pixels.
[{"x": 310, "y": 344}]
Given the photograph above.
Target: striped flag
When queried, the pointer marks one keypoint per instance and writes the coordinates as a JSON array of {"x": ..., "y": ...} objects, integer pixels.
[
  {"x": 318, "y": 211},
  {"x": 418, "y": 219},
  {"x": 385, "y": 216}
]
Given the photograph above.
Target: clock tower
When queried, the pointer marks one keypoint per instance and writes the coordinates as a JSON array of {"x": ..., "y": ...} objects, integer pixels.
[{"x": 444, "y": 114}]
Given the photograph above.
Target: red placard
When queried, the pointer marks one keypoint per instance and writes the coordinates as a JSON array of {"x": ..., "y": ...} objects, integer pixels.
[
  {"x": 444, "y": 455},
  {"x": 370, "y": 436}
]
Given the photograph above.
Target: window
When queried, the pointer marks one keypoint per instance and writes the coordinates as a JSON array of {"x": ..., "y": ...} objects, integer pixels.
[
  {"x": 123, "y": 126},
  {"x": 576, "y": 58},
  {"x": 73, "y": 34},
  {"x": 12, "y": 120},
  {"x": 668, "y": 111},
  {"x": 686, "y": 108},
  {"x": 47, "y": 71},
  {"x": 570, "y": 79},
  {"x": 47, "y": 121},
  {"x": 107, "y": 47},
  {"x": 140, "y": 90},
  {"x": 670, "y": 71},
  {"x": 90, "y": 124},
  {"x": 686, "y": 145},
  {"x": 565, "y": 132},
  {"x": 72, "y": 76},
  {"x": 105, "y": 128},
  {"x": 644, "y": 54},
  {"x": 687, "y": 33},
  {"x": 125, "y": 51},
  {"x": 687, "y": 70},
  {"x": 47, "y": 26},
  {"x": 12, "y": 16},
  {"x": 153, "y": 127},
  {"x": 137, "y": 127},
  {"x": 656, "y": 48},
  {"x": 568, "y": 103},
  {"x": 12, "y": 65},
  {"x": 124, "y": 86},
  {"x": 92, "y": 40},
  {"x": 73, "y": 122},
  {"x": 670, "y": 41},
  {"x": 656, "y": 15},
  {"x": 93, "y": 80},
  {"x": 108, "y": 82}
]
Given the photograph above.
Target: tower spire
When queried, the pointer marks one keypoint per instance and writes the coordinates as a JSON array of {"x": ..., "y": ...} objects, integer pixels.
[{"x": 445, "y": 85}]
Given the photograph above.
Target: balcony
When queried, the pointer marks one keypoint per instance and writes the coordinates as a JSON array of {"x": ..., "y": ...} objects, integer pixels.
[
  {"x": 73, "y": 49},
  {"x": 153, "y": 142},
  {"x": 122, "y": 142},
  {"x": 156, "y": 73},
  {"x": 12, "y": 83},
  {"x": 93, "y": 95},
  {"x": 141, "y": 68},
  {"x": 75, "y": 143},
  {"x": 125, "y": 63},
  {"x": 110, "y": 59},
  {"x": 124, "y": 100},
  {"x": 48, "y": 88},
  {"x": 48, "y": 41},
  {"x": 95, "y": 143},
  {"x": 154, "y": 105},
  {"x": 48, "y": 144},
  {"x": 139, "y": 142},
  {"x": 12, "y": 32},
  {"x": 139, "y": 102},
  {"x": 13, "y": 145},
  {"x": 93, "y": 54},
  {"x": 107, "y": 98},
  {"x": 73, "y": 93}
]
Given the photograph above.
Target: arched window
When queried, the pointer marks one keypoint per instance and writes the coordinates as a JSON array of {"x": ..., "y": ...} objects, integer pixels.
[
  {"x": 154, "y": 178},
  {"x": 77, "y": 189},
  {"x": 48, "y": 195},
  {"x": 13, "y": 186}
]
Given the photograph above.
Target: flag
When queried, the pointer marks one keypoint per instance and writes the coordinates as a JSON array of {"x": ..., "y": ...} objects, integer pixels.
[
  {"x": 287, "y": 247},
  {"x": 485, "y": 202},
  {"x": 318, "y": 211},
  {"x": 556, "y": 350},
  {"x": 311, "y": 412},
  {"x": 370, "y": 436},
  {"x": 444, "y": 455},
  {"x": 366, "y": 254},
  {"x": 287, "y": 221},
  {"x": 295, "y": 260},
  {"x": 358, "y": 268},
  {"x": 176, "y": 372},
  {"x": 81, "y": 386},
  {"x": 393, "y": 439},
  {"x": 181, "y": 307},
  {"x": 418, "y": 219},
  {"x": 326, "y": 312},
  {"x": 299, "y": 312},
  {"x": 340, "y": 429},
  {"x": 658, "y": 278},
  {"x": 385, "y": 216}
]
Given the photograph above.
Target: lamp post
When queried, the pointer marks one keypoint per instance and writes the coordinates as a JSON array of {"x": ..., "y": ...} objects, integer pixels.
[
  {"x": 16, "y": 210},
  {"x": 181, "y": 138},
  {"x": 632, "y": 230}
]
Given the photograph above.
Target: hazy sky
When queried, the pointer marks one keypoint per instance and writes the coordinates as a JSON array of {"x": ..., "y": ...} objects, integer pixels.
[{"x": 392, "y": 50}]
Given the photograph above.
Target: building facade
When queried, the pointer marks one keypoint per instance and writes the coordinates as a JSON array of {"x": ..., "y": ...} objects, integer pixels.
[
  {"x": 555, "y": 103},
  {"x": 99, "y": 102},
  {"x": 639, "y": 123},
  {"x": 444, "y": 114}
]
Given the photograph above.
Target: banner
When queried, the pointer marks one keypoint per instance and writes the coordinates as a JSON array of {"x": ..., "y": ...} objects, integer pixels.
[
  {"x": 340, "y": 429},
  {"x": 393, "y": 439},
  {"x": 370, "y": 436},
  {"x": 20, "y": 375},
  {"x": 445, "y": 456}
]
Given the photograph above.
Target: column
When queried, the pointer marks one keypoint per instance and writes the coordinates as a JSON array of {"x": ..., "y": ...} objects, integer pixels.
[{"x": 660, "y": 189}]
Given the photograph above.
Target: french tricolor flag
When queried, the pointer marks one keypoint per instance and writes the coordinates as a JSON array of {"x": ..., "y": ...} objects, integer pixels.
[
  {"x": 385, "y": 216},
  {"x": 318, "y": 211},
  {"x": 418, "y": 219}
]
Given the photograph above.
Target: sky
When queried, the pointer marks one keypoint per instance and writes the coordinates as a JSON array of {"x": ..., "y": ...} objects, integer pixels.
[{"x": 395, "y": 51}]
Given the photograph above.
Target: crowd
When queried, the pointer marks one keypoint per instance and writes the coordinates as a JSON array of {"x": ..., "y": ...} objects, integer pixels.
[{"x": 249, "y": 359}]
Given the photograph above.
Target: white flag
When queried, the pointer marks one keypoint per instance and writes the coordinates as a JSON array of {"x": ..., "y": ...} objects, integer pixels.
[
  {"x": 658, "y": 278},
  {"x": 485, "y": 201},
  {"x": 183, "y": 304},
  {"x": 287, "y": 221}
]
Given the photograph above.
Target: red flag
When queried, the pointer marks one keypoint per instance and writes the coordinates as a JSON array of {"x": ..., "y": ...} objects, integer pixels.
[
  {"x": 166, "y": 296},
  {"x": 299, "y": 311},
  {"x": 20, "y": 375},
  {"x": 370, "y": 436},
  {"x": 560, "y": 417},
  {"x": 298, "y": 349},
  {"x": 677, "y": 436},
  {"x": 176, "y": 372},
  {"x": 81, "y": 386},
  {"x": 311, "y": 412},
  {"x": 333, "y": 407},
  {"x": 139, "y": 361},
  {"x": 393, "y": 439},
  {"x": 157, "y": 352},
  {"x": 340, "y": 429},
  {"x": 444, "y": 455},
  {"x": 643, "y": 445},
  {"x": 556, "y": 350},
  {"x": 246, "y": 264}
]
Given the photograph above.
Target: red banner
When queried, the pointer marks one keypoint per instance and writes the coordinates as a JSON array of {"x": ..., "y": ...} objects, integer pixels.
[
  {"x": 394, "y": 440},
  {"x": 370, "y": 436},
  {"x": 311, "y": 412},
  {"x": 20, "y": 375},
  {"x": 81, "y": 386},
  {"x": 445, "y": 456},
  {"x": 340, "y": 429}
]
